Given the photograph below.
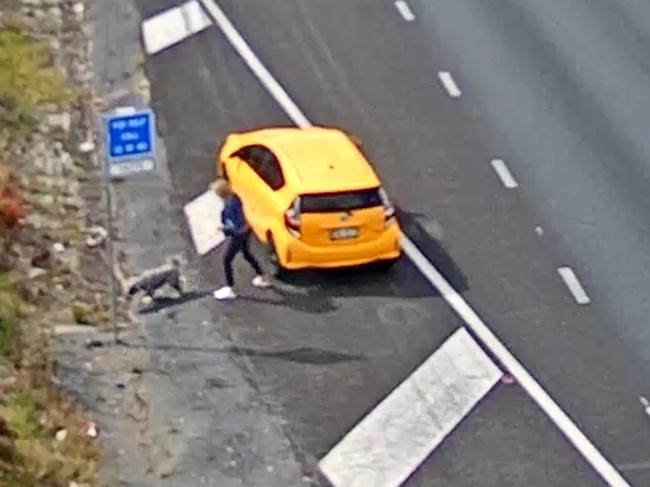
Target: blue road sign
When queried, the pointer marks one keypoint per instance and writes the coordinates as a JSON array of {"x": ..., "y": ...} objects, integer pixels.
[{"x": 128, "y": 137}]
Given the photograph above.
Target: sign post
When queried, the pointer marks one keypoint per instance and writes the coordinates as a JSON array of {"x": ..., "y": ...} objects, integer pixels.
[{"x": 130, "y": 149}]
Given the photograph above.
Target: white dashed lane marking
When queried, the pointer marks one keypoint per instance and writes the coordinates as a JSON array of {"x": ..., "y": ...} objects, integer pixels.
[
  {"x": 571, "y": 280},
  {"x": 504, "y": 173},
  {"x": 384, "y": 448},
  {"x": 453, "y": 298},
  {"x": 449, "y": 84},
  {"x": 404, "y": 10},
  {"x": 172, "y": 26}
]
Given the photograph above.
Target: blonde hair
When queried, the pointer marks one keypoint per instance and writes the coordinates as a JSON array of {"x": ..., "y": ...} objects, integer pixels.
[{"x": 221, "y": 187}]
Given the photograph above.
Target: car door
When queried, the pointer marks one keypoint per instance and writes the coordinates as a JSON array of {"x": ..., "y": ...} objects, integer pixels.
[
  {"x": 242, "y": 174},
  {"x": 270, "y": 182},
  {"x": 255, "y": 176}
]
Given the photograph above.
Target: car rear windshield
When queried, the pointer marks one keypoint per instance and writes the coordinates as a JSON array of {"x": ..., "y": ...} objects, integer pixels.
[{"x": 352, "y": 200}]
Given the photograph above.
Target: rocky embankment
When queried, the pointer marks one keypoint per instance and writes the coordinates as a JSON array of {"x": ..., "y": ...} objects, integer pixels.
[{"x": 51, "y": 252}]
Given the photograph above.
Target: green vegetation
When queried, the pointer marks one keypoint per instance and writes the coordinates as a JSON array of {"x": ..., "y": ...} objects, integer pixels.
[
  {"x": 31, "y": 454},
  {"x": 32, "y": 410},
  {"x": 80, "y": 314},
  {"x": 22, "y": 415},
  {"x": 10, "y": 311},
  {"x": 28, "y": 80}
]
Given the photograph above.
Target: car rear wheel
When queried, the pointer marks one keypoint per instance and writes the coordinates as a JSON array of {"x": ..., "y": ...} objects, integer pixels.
[
  {"x": 272, "y": 260},
  {"x": 386, "y": 265}
]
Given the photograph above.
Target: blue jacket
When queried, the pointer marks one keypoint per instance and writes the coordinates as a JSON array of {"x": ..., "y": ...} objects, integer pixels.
[{"x": 232, "y": 217}]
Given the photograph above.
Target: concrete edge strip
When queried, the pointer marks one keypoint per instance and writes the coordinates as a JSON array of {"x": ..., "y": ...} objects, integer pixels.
[{"x": 564, "y": 423}]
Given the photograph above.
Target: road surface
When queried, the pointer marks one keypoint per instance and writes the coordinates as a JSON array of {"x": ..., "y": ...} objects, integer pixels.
[{"x": 559, "y": 93}]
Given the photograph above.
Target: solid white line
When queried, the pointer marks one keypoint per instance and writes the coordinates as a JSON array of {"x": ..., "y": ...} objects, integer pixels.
[
  {"x": 404, "y": 10},
  {"x": 572, "y": 282},
  {"x": 515, "y": 368},
  {"x": 386, "y": 446},
  {"x": 255, "y": 65},
  {"x": 504, "y": 173},
  {"x": 604, "y": 468},
  {"x": 450, "y": 85}
]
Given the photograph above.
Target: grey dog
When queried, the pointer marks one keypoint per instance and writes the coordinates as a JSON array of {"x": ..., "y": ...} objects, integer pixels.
[{"x": 153, "y": 279}]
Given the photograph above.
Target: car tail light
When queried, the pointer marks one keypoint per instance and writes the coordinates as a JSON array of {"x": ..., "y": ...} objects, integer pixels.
[
  {"x": 389, "y": 209},
  {"x": 292, "y": 218}
]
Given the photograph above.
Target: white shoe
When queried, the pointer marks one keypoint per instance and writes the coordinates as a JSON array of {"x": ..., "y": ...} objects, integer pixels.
[
  {"x": 224, "y": 293},
  {"x": 261, "y": 281}
]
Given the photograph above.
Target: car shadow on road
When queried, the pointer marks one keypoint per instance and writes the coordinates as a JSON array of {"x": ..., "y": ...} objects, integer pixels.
[
  {"x": 318, "y": 291},
  {"x": 402, "y": 280},
  {"x": 426, "y": 234}
]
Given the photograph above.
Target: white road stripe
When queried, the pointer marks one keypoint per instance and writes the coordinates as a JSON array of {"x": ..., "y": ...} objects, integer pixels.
[
  {"x": 450, "y": 85},
  {"x": 404, "y": 10},
  {"x": 255, "y": 65},
  {"x": 504, "y": 173},
  {"x": 385, "y": 447},
  {"x": 572, "y": 282},
  {"x": 577, "y": 438},
  {"x": 172, "y": 26}
]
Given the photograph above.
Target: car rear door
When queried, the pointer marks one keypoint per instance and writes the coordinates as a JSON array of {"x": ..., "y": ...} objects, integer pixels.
[{"x": 259, "y": 178}]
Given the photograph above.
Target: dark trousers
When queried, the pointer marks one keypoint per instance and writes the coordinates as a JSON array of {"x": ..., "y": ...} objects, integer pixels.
[{"x": 236, "y": 244}]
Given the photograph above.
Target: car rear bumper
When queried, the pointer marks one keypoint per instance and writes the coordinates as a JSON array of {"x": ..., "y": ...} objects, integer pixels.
[{"x": 295, "y": 254}]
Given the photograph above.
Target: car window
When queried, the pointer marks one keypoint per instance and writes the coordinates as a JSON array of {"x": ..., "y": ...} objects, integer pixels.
[
  {"x": 265, "y": 164},
  {"x": 353, "y": 200}
]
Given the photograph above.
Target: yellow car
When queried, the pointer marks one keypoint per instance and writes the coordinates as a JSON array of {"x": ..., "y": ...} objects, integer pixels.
[{"x": 311, "y": 195}]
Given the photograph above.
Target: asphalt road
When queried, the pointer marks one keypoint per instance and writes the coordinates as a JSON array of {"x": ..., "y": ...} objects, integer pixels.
[{"x": 544, "y": 89}]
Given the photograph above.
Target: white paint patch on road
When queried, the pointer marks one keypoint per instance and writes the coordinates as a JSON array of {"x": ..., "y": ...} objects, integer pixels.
[
  {"x": 504, "y": 173},
  {"x": 571, "y": 280},
  {"x": 449, "y": 83},
  {"x": 172, "y": 26},
  {"x": 405, "y": 10},
  {"x": 453, "y": 298},
  {"x": 394, "y": 438},
  {"x": 203, "y": 218}
]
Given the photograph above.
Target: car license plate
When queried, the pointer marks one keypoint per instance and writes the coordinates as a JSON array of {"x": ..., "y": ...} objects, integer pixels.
[{"x": 344, "y": 233}]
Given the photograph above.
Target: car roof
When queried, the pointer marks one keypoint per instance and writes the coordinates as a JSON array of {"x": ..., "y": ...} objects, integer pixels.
[{"x": 323, "y": 159}]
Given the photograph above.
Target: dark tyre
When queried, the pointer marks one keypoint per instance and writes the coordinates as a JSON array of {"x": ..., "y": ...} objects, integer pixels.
[
  {"x": 386, "y": 265},
  {"x": 272, "y": 261}
]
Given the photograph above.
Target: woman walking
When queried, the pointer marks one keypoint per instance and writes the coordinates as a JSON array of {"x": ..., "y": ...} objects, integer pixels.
[{"x": 236, "y": 229}]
